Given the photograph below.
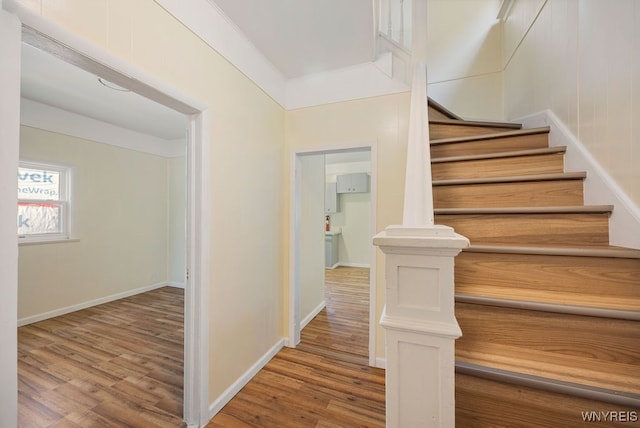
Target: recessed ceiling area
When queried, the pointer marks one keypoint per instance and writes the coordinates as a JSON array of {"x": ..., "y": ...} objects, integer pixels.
[
  {"x": 303, "y": 37},
  {"x": 54, "y": 82}
]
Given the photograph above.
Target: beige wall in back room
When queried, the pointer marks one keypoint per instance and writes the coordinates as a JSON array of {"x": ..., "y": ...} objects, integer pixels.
[
  {"x": 353, "y": 218},
  {"x": 120, "y": 201},
  {"x": 246, "y": 130}
]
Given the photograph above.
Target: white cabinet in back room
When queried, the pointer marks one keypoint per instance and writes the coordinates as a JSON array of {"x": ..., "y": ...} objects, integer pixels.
[
  {"x": 331, "y": 200},
  {"x": 331, "y": 248},
  {"x": 353, "y": 183}
]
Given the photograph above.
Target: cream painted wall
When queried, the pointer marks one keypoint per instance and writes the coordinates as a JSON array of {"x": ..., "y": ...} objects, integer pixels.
[
  {"x": 176, "y": 225},
  {"x": 381, "y": 120},
  {"x": 246, "y": 129},
  {"x": 581, "y": 59},
  {"x": 311, "y": 256},
  {"x": 464, "y": 51},
  {"x": 120, "y": 221}
]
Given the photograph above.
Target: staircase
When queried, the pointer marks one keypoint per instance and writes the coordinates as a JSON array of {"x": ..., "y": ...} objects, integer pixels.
[{"x": 550, "y": 312}]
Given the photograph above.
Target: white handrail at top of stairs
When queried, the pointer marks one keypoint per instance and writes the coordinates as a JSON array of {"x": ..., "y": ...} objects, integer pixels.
[{"x": 418, "y": 193}]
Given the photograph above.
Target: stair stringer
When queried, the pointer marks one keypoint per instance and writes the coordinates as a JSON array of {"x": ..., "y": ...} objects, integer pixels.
[{"x": 599, "y": 187}]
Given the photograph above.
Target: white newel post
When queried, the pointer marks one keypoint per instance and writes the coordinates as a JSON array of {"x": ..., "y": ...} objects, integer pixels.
[
  {"x": 418, "y": 317},
  {"x": 420, "y": 324}
]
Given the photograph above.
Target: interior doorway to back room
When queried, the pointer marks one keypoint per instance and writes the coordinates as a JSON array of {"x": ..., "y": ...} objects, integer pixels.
[{"x": 334, "y": 199}]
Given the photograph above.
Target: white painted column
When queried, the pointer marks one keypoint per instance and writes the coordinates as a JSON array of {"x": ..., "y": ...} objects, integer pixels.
[
  {"x": 420, "y": 324},
  {"x": 10, "y": 41}
]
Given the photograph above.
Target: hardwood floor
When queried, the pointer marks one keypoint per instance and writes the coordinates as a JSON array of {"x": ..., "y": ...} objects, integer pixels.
[
  {"x": 119, "y": 364},
  {"x": 342, "y": 328},
  {"x": 324, "y": 382}
]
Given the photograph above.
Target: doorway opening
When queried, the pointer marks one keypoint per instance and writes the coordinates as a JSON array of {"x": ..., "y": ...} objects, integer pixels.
[
  {"x": 333, "y": 204},
  {"x": 196, "y": 204}
]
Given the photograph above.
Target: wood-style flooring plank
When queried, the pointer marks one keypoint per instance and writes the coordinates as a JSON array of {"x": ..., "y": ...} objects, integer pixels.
[
  {"x": 342, "y": 328},
  {"x": 325, "y": 381},
  {"x": 119, "y": 364}
]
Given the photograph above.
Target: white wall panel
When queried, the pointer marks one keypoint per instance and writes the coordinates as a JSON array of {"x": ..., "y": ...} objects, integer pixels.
[
  {"x": 522, "y": 15},
  {"x": 580, "y": 59}
]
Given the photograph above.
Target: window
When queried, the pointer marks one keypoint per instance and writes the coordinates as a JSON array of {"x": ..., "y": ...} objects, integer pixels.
[{"x": 43, "y": 202}]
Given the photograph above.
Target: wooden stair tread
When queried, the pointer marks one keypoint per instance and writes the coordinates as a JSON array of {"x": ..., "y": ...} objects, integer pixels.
[
  {"x": 479, "y": 137},
  {"x": 587, "y": 303},
  {"x": 535, "y": 305},
  {"x": 562, "y": 368},
  {"x": 477, "y": 123},
  {"x": 513, "y": 178},
  {"x": 594, "y": 282},
  {"x": 542, "y": 296},
  {"x": 548, "y": 384},
  {"x": 578, "y": 209},
  {"x": 510, "y": 154},
  {"x": 569, "y": 347},
  {"x": 568, "y": 250}
]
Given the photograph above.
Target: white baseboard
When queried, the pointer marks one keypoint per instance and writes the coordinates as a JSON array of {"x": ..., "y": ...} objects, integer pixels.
[
  {"x": 358, "y": 265},
  {"x": 88, "y": 304},
  {"x": 230, "y": 392},
  {"x": 175, "y": 284},
  {"x": 313, "y": 314},
  {"x": 381, "y": 363},
  {"x": 599, "y": 187}
]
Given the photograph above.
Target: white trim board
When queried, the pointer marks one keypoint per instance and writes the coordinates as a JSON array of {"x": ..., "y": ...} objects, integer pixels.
[
  {"x": 230, "y": 392},
  {"x": 356, "y": 265},
  {"x": 88, "y": 304},
  {"x": 53, "y": 119},
  {"x": 10, "y": 42},
  {"x": 599, "y": 187},
  {"x": 176, "y": 284}
]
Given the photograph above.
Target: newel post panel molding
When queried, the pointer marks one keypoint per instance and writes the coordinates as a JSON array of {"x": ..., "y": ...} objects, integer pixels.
[{"x": 420, "y": 324}]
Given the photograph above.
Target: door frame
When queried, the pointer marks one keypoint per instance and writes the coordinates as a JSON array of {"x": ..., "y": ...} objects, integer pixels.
[
  {"x": 294, "y": 237},
  {"x": 78, "y": 51}
]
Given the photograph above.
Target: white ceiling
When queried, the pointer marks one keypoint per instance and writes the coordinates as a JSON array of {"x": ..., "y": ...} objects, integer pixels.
[
  {"x": 303, "y": 37},
  {"x": 52, "y": 81},
  {"x": 299, "y": 37}
]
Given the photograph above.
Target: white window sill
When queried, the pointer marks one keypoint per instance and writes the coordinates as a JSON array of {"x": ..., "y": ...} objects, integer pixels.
[{"x": 47, "y": 241}]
